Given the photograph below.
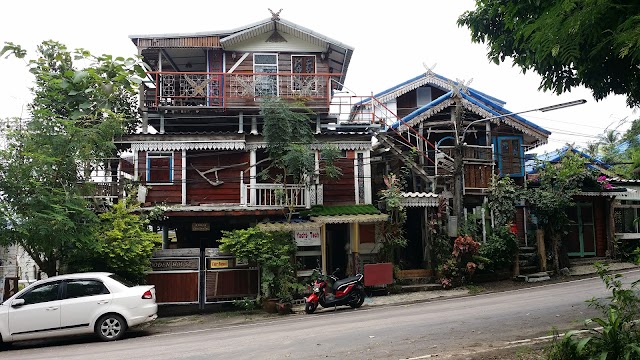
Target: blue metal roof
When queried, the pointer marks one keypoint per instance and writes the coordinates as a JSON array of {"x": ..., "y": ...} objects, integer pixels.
[
  {"x": 419, "y": 111},
  {"x": 556, "y": 155}
]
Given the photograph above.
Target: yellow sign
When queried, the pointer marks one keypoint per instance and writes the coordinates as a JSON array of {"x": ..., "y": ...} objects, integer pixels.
[{"x": 218, "y": 264}]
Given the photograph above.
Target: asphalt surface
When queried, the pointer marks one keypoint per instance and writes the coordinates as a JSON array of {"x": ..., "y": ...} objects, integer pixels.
[{"x": 402, "y": 330}]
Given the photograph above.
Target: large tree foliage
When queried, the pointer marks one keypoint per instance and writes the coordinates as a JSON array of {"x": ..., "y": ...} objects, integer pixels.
[
  {"x": 552, "y": 198},
  {"x": 287, "y": 131},
  {"x": 595, "y": 43},
  {"x": 81, "y": 102}
]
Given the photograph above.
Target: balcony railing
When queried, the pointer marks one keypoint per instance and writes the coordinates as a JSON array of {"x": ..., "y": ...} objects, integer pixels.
[
  {"x": 224, "y": 90},
  {"x": 274, "y": 195}
]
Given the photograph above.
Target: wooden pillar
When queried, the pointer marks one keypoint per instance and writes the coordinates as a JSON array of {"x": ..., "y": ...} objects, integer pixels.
[
  {"x": 241, "y": 123},
  {"x": 254, "y": 125},
  {"x": 323, "y": 247},
  {"x": 252, "y": 177},
  {"x": 355, "y": 244},
  {"x": 542, "y": 253},
  {"x": 165, "y": 237}
]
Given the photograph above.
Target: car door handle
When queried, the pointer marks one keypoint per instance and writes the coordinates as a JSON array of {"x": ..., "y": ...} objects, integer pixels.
[
  {"x": 52, "y": 308},
  {"x": 102, "y": 302}
]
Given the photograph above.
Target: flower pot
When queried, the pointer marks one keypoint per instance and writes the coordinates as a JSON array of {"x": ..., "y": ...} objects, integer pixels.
[
  {"x": 270, "y": 305},
  {"x": 284, "y": 308}
]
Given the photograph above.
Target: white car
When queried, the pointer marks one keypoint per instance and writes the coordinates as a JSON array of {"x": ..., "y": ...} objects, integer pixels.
[{"x": 100, "y": 303}]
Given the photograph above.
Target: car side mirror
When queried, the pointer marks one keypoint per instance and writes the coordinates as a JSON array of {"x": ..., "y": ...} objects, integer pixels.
[{"x": 17, "y": 303}]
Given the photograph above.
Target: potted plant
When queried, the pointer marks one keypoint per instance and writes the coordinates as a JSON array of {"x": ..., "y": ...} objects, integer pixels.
[{"x": 273, "y": 253}]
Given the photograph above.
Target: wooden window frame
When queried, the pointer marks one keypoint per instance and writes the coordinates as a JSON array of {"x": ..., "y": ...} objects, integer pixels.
[
  {"x": 255, "y": 77},
  {"x": 295, "y": 87},
  {"x": 500, "y": 155},
  {"x": 160, "y": 155}
]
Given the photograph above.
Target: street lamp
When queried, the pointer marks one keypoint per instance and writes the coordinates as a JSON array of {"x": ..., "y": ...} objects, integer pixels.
[{"x": 542, "y": 109}]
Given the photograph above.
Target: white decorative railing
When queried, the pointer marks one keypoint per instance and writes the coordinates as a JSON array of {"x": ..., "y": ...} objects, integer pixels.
[{"x": 274, "y": 195}]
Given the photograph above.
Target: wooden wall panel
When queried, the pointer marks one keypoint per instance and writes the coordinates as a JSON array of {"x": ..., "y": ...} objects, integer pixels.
[
  {"x": 341, "y": 191},
  {"x": 170, "y": 194},
  {"x": 199, "y": 191},
  {"x": 174, "y": 287},
  {"x": 231, "y": 283}
]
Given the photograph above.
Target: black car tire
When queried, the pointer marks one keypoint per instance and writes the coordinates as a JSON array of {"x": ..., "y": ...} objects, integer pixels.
[{"x": 110, "y": 327}]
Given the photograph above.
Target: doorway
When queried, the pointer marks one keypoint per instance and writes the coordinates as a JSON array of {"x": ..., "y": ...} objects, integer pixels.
[
  {"x": 338, "y": 236},
  {"x": 581, "y": 239}
]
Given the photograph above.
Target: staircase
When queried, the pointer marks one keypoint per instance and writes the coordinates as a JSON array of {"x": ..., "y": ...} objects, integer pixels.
[{"x": 396, "y": 150}]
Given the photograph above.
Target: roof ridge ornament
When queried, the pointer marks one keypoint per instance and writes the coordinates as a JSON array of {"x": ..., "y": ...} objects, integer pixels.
[
  {"x": 429, "y": 72},
  {"x": 275, "y": 16},
  {"x": 459, "y": 87}
]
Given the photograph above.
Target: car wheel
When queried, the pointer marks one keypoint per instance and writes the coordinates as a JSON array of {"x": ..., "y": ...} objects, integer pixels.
[
  {"x": 358, "y": 299},
  {"x": 310, "y": 307},
  {"x": 110, "y": 327}
]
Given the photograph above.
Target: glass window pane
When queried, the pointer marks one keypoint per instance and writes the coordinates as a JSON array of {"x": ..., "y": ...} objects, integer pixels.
[
  {"x": 265, "y": 59},
  {"x": 42, "y": 293},
  {"x": 81, "y": 288}
]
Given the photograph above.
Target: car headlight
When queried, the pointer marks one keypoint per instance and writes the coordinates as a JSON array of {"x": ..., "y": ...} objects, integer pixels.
[{"x": 316, "y": 289}]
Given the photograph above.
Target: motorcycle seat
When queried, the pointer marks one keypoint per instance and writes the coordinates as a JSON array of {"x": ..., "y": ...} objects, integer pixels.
[{"x": 347, "y": 281}]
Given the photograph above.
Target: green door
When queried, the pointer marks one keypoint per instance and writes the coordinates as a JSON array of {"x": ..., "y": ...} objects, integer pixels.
[{"x": 581, "y": 239}]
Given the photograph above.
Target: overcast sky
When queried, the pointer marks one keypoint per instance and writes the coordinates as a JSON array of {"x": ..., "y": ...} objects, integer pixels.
[{"x": 391, "y": 41}]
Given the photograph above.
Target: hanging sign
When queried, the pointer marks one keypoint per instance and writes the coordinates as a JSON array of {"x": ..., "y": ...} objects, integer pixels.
[
  {"x": 200, "y": 227},
  {"x": 218, "y": 263},
  {"x": 307, "y": 238}
]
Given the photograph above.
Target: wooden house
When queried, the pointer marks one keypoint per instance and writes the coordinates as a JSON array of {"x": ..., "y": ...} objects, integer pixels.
[
  {"x": 200, "y": 151},
  {"x": 453, "y": 138}
]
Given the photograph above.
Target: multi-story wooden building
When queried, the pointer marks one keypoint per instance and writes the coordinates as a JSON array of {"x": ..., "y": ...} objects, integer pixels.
[{"x": 200, "y": 151}]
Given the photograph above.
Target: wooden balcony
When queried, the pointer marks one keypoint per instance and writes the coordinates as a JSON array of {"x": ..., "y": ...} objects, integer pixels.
[{"x": 223, "y": 91}]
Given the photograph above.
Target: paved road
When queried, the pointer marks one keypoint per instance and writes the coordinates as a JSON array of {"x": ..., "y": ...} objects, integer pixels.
[{"x": 394, "y": 332}]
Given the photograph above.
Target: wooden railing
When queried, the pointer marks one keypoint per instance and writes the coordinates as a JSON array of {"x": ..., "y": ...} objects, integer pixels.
[{"x": 224, "y": 90}]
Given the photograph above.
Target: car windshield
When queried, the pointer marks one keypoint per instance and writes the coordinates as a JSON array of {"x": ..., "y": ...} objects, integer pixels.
[{"x": 122, "y": 280}]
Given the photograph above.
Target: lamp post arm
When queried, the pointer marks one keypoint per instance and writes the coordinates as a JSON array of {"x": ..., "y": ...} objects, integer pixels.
[{"x": 543, "y": 109}]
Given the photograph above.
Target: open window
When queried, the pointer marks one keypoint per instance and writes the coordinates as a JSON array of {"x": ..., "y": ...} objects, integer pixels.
[{"x": 160, "y": 168}]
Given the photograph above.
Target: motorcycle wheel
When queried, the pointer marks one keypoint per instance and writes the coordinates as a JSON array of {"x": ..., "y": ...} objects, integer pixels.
[
  {"x": 358, "y": 299},
  {"x": 310, "y": 307}
]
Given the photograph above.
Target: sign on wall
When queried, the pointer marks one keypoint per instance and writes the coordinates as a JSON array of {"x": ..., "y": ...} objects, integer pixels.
[
  {"x": 218, "y": 263},
  {"x": 200, "y": 227},
  {"x": 307, "y": 238},
  {"x": 174, "y": 264}
]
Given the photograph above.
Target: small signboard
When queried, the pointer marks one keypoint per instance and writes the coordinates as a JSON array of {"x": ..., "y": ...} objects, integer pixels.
[
  {"x": 218, "y": 263},
  {"x": 307, "y": 238},
  {"x": 200, "y": 227},
  {"x": 174, "y": 264}
]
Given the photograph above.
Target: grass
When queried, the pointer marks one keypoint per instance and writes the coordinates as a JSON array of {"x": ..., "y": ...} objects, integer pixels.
[{"x": 475, "y": 289}]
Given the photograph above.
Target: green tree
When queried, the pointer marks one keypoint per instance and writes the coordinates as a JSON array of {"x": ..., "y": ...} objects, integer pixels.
[
  {"x": 595, "y": 43},
  {"x": 46, "y": 165},
  {"x": 287, "y": 131},
  {"x": 553, "y": 197},
  {"x": 124, "y": 245}
]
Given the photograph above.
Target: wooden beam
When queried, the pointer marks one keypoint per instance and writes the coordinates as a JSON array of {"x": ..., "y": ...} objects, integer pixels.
[{"x": 238, "y": 63}]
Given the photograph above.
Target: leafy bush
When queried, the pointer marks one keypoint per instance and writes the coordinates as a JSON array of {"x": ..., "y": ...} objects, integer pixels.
[
  {"x": 617, "y": 336},
  {"x": 123, "y": 245},
  {"x": 500, "y": 249},
  {"x": 272, "y": 251},
  {"x": 462, "y": 264}
]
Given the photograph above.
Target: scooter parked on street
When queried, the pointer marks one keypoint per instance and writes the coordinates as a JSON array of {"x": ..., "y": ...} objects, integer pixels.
[{"x": 328, "y": 291}]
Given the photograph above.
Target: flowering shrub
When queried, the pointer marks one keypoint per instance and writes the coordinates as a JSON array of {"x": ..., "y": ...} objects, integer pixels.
[
  {"x": 604, "y": 182},
  {"x": 462, "y": 264}
]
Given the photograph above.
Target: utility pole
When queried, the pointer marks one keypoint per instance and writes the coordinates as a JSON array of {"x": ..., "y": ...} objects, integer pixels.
[{"x": 458, "y": 166}]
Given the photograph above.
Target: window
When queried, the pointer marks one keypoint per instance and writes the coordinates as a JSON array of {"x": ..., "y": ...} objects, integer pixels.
[
  {"x": 423, "y": 96},
  {"x": 160, "y": 168},
  {"x": 306, "y": 84},
  {"x": 81, "y": 288},
  {"x": 122, "y": 280},
  {"x": 265, "y": 85},
  {"x": 510, "y": 156},
  {"x": 624, "y": 219},
  {"x": 42, "y": 293}
]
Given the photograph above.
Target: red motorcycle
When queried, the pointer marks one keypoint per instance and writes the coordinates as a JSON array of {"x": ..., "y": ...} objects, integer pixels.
[{"x": 328, "y": 291}]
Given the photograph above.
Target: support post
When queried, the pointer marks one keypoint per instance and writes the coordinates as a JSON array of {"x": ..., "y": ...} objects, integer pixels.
[
  {"x": 318, "y": 128},
  {"x": 165, "y": 237},
  {"x": 183, "y": 175},
  {"x": 241, "y": 123},
  {"x": 254, "y": 125},
  {"x": 458, "y": 166},
  {"x": 542, "y": 253},
  {"x": 323, "y": 247},
  {"x": 252, "y": 177}
]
